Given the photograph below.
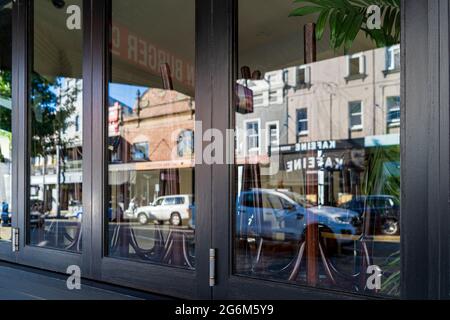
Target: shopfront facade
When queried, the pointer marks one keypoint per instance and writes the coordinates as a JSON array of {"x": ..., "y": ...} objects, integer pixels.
[{"x": 229, "y": 149}]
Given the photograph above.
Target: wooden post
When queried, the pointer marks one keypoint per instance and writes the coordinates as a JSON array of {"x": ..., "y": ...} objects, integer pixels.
[
  {"x": 166, "y": 76},
  {"x": 312, "y": 229},
  {"x": 310, "y": 45}
]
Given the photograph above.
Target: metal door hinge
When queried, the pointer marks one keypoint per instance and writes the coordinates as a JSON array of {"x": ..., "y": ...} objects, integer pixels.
[
  {"x": 15, "y": 239},
  {"x": 212, "y": 267}
]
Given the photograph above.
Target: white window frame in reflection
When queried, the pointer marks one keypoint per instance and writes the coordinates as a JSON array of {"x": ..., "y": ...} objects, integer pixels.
[
  {"x": 307, "y": 70},
  {"x": 298, "y": 120},
  {"x": 269, "y": 141},
  {"x": 353, "y": 114},
  {"x": 362, "y": 64},
  {"x": 259, "y": 100},
  {"x": 394, "y": 108},
  {"x": 391, "y": 52},
  {"x": 133, "y": 159},
  {"x": 248, "y": 136}
]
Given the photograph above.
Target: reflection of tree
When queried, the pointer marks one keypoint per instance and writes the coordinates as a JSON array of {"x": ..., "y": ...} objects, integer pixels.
[
  {"x": 5, "y": 92},
  {"x": 380, "y": 180},
  {"x": 346, "y": 18},
  {"x": 52, "y": 105}
]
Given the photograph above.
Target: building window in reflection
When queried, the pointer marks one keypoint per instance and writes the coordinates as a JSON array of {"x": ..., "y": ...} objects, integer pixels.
[
  {"x": 302, "y": 122},
  {"x": 393, "y": 58},
  {"x": 355, "y": 109},
  {"x": 140, "y": 151},
  {"x": 185, "y": 143},
  {"x": 393, "y": 111},
  {"x": 253, "y": 136}
]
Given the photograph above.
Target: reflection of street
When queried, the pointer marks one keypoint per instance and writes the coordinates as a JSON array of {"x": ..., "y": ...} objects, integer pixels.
[
  {"x": 146, "y": 233},
  {"x": 156, "y": 243},
  {"x": 57, "y": 233},
  {"x": 344, "y": 260}
]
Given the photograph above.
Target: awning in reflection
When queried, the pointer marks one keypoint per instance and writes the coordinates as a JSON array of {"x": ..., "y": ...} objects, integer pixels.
[{"x": 117, "y": 178}]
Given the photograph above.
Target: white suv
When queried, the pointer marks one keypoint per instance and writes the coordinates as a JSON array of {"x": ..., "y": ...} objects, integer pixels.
[{"x": 174, "y": 209}]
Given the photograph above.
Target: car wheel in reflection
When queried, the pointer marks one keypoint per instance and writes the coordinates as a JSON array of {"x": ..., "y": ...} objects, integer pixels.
[
  {"x": 175, "y": 219},
  {"x": 390, "y": 227},
  {"x": 142, "y": 218}
]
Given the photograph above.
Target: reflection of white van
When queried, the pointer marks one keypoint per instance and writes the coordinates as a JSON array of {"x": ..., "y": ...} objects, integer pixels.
[{"x": 173, "y": 208}]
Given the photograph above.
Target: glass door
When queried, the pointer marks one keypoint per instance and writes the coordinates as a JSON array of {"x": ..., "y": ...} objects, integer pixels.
[
  {"x": 8, "y": 212},
  {"x": 315, "y": 183},
  {"x": 51, "y": 188},
  {"x": 149, "y": 213}
]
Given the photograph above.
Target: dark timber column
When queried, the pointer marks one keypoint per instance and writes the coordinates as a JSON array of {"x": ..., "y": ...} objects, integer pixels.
[{"x": 312, "y": 230}]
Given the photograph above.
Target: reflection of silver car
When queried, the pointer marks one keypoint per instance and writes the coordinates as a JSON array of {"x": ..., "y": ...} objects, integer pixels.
[{"x": 174, "y": 209}]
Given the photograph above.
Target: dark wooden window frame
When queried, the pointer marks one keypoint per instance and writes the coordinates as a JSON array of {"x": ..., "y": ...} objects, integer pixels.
[{"x": 425, "y": 141}]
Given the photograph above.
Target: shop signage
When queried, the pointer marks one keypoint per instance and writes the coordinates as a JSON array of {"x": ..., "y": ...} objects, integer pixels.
[
  {"x": 319, "y": 146},
  {"x": 147, "y": 55},
  {"x": 314, "y": 163},
  {"x": 244, "y": 99}
]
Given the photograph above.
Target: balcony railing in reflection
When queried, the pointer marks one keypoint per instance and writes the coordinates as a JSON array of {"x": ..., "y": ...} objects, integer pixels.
[
  {"x": 69, "y": 166},
  {"x": 73, "y": 166}
]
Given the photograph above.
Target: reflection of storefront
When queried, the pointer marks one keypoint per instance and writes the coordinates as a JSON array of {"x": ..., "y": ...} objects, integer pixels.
[
  {"x": 334, "y": 171},
  {"x": 150, "y": 148}
]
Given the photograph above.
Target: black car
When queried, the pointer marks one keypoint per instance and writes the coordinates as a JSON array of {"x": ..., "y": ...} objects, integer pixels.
[{"x": 380, "y": 213}]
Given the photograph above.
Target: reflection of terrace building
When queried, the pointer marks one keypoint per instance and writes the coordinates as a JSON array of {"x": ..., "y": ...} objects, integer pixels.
[
  {"x": 347, "y": 97},
  {"x": 267, "y": 125},
  {"x": 336, "y": 114},
  {"x": 151, "y": 146}
]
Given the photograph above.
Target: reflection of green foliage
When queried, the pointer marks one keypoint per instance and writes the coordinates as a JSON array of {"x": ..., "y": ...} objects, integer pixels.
[
  {"x": 379, "y": 180},
  {"x": 346, "y": 18},
  {"x": 391, "y": 286},
  {"x": 5, "y": 83},
  {"x": 50, "y": 114},
  {"x": 5, "y": 92}
]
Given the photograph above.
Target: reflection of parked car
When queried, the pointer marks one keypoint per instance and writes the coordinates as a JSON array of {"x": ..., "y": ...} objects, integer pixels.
[
  {"x": 113, "y": 215},
  {"x": 266, "y": 213},
  {"x": 274, "y": 214},
  {"x": 383, "y": 211},
  {"x": 192, "y": 211},
  {"x": 174, "y": 209}
]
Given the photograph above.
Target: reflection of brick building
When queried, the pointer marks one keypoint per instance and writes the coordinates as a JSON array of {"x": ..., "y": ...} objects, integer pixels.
[{"x": 151, "y": 146}]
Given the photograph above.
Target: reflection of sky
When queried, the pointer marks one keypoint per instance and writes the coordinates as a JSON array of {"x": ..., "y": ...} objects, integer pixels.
[
  {"x": 121, "y": 92},
  {"x": 125, "y": 93}
]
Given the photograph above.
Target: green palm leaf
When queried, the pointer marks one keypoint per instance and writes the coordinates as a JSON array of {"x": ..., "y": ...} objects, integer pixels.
[{"x": 346, "y": 18}]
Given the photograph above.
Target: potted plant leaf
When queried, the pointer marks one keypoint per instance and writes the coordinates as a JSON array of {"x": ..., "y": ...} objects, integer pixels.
[{"x": 347, "y": 18}]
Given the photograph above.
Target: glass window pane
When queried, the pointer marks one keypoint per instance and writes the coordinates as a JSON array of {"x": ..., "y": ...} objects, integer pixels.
[
  {"x": 6, "y": 106},
  {"x": 323, "y": 210},
  {"x": 355, "y": 66},
  {"x": 56, "y": 139},
  {"x": 151, "y": 132}
]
